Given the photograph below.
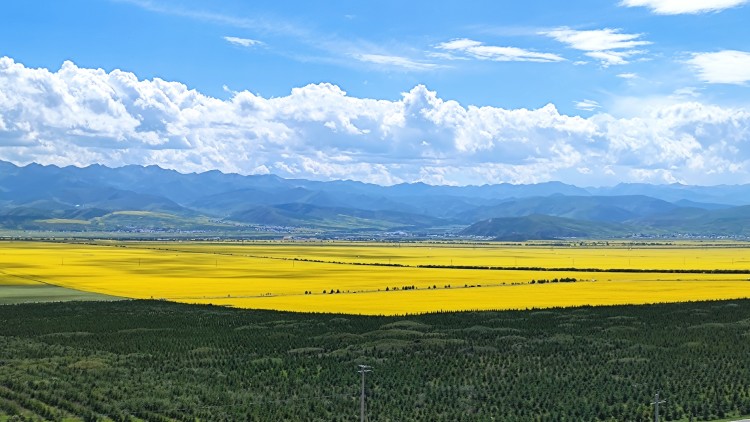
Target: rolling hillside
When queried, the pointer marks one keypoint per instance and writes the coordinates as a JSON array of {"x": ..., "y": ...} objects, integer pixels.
[
  {"x": 543, "y": 227},
  {"x": 594, "y": 208},
  {"x": 301, "y": 214}
]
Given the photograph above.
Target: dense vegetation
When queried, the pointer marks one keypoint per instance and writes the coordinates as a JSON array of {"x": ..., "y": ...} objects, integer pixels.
[{"x": 157, "y": 361}]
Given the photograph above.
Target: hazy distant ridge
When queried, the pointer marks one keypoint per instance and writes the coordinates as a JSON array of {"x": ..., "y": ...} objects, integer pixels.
[{"x": 32, "y": 195}]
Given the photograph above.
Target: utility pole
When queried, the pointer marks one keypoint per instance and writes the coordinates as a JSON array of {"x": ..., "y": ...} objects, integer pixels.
[
  {"x": 656, "y": 406},
  {"x": 363, "y": 369}
]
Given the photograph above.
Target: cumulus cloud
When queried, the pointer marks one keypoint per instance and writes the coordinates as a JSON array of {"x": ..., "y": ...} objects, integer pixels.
[
  {"x": 478, "y": 50},
  {"x": 243, "y": 42},
  {"x": 677, "y": 7},
  {"x": 609, "y": 46},
  {"x": 722, "y": 67},
  {"x": 79, "y": 116}
]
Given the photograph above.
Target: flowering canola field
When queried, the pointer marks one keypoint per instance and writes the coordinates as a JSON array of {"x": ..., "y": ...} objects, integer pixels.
[{"x": 294, "y": 276}]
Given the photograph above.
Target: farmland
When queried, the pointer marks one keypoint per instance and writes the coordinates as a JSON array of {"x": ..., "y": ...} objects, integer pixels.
[
  {"x": 503, "y": 358},
  {"x": 388, "y": 279}
]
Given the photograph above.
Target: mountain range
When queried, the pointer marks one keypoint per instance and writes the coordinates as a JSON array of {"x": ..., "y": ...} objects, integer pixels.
[{"x": 38, "y": 197}]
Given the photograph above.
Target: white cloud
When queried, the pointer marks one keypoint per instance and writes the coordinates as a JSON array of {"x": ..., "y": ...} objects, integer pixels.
[
  {"x": 676, "y": 7},
  {"x": 587, "y": 105},
  {"x": 243, "y": 42},
  {"x": 596, "y": 39},
  {"x": 610, "y": 46},
  {"x": 395, "y": 61},
  {"x": 205, "y": 15},
  {"x": 478, "y": 50},
  {"x": 445, "y": 56},
  {"x": 78, "y": 116},
  {"x": 627, "y": 75},
  {"x": 658, "y": 176},
  {"x": 608, "y": 58},
  {"x": 722, "y": 67}
]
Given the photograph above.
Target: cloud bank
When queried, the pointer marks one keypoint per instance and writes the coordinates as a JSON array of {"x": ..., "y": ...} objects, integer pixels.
[{"x": 79, "y": 116}]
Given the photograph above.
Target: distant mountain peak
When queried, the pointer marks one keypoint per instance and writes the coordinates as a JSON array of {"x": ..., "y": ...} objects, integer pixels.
[{"x": 37, "y": 190}]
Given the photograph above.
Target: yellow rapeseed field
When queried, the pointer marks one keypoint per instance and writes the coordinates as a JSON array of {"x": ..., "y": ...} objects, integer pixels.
[
  {"x": 271, "y": 275},
  {"x": 622, "y": 256}
]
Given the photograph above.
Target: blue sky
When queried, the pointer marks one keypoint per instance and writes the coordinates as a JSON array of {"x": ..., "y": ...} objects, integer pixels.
[{"x": 587, "y": 92}]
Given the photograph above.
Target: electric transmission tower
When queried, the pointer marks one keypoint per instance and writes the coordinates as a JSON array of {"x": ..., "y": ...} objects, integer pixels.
[
  {"x": 656, "y": 404},
  {"x": 363, "y": 369}
]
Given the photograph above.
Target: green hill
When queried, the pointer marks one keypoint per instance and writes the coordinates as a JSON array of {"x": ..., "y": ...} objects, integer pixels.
[
  {"x": 591, "y": 208},
  {"x": 307, "y": 215},
  {"x": 542, "y": 227}
]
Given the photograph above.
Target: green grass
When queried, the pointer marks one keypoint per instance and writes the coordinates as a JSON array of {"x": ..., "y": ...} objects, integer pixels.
[
  {"x": 14, "y": 294},
  {"x": 63, "y": 221}
]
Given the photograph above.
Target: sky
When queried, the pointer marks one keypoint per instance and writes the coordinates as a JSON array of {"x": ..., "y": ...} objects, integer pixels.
[{"x": 591, "y": 92}]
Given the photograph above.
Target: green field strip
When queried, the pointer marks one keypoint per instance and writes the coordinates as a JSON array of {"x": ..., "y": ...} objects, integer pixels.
[{"x": 15, "y": 294}]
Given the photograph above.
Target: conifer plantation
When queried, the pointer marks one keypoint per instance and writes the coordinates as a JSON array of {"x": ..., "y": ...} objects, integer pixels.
[{"x": 153, "y": 360}]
